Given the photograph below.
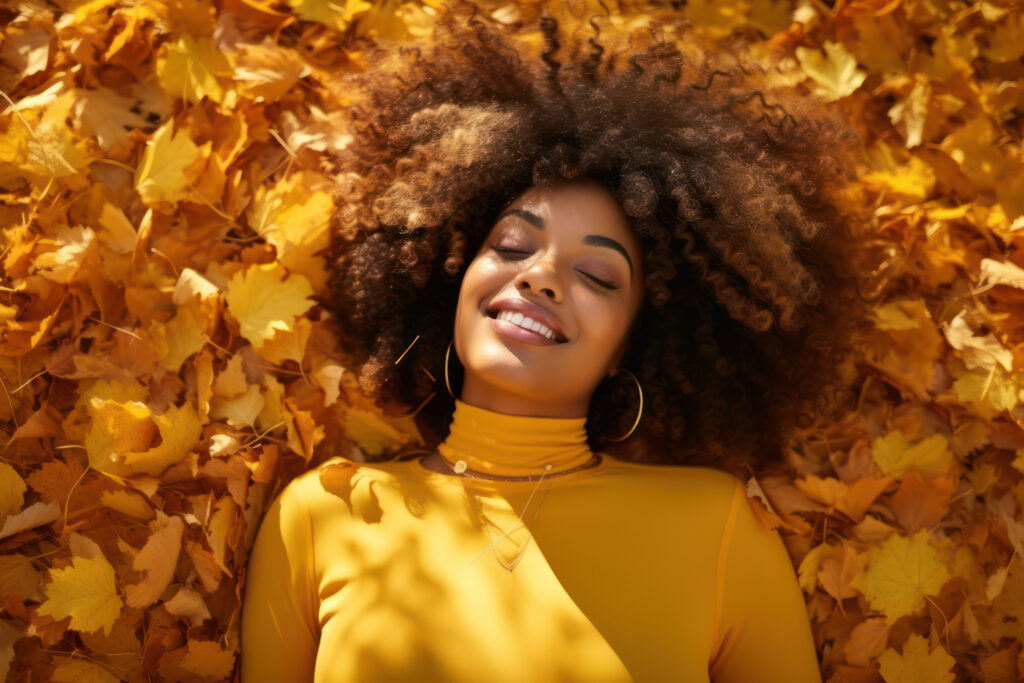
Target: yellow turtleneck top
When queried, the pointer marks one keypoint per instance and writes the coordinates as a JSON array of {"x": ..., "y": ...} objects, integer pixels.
[{"x": 618, "y": 572}]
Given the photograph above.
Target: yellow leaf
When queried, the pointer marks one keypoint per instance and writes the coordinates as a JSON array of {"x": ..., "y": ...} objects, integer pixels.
[
  {"x": 40, "y": 147},
  {"x": 189, "y": 69},
  {"x": 336, "y": 15},
  {"x": 62, "y": 264},
  {"x": 117, "y": 428},
  {"x": 12, "y": 491},
  {"x": 117, "y": 232},
  {"x": 77, "y": 670},
  {"x": 266, "y": 71},
  {"x": 265, "y": 298},
  {"x": 158, "y": 560},
  {"x": 370, "y": 433},
  {"x": 273, "y": 414},
  {"x": 910, "y": 113},
  {"x": 993, "y": 390},
  {"x": 107, "y": 115},
  {"x": 231, "y": 380},
  {"x": 983, "y": 352},
  {"x": 161, "y": 176},
  {"x": 208, "y": 660},
  {"x": 896, "y": 456},
  {"x": 1006, "y": 42},
  {"x": 239, "y": 411},
  {"x": 992, "y": 272},
  {"x": 901, "y": 571},
  {"x": 180, "y": 430},
  {"x": 909, "y": 182},
  {"x": 127, "y": 503},
  {"x": 288, "y": 345},
  {"x": 916, "y": 664},
  {"x": 716, "y": 18},
  {"x": 809, "y": 566},
  {"x": 836, "y": 74},
  {"x": 119, "y": 432},
  {"x": 293, "y": 216},
  {"x": 178, "y": 339},
  {"x": 898, "y": 315},
  {"x": 86, "y": 591}
]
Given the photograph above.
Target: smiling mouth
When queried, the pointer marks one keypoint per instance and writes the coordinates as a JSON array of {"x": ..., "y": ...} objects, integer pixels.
[{"x": 544, "y": 333}]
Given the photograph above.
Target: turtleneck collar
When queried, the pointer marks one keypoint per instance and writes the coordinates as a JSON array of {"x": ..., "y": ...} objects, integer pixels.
[{"x": 514, "y": 445}]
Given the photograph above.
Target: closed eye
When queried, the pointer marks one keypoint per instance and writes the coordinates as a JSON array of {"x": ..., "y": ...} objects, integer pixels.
[
  {"x": 606, "y": 285},
  {"x": 508, "y": 250}
]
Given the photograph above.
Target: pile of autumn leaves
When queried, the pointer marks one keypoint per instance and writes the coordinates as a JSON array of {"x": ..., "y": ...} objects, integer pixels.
[{"x": 164, "y": 366}]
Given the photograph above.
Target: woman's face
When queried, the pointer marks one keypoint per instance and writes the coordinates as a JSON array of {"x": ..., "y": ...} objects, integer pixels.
[{"x": 566, "y": 257}]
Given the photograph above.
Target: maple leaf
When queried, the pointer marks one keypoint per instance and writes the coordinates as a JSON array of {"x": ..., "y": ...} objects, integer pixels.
[
  {"x": 63, "y": 263},
  {"x": 178, "y": 339},
  {"x": 266, "y": 71},
  {"x": 916, "y": 664},
  {"x": 77, "y": 670},
  {"x": 910, "y": 113},
  {"x": 107, "y": 115},
  {"x": 17, "y": 575},
  {"x": 241, "y": 410},
  {"x": 127, "y": 503},
  {"x": 264, "y": 298},
  {"x": 158, "y": 559},
  {"x": 12, "y": 491},
  {"x": 901, "y": 572},
  {"x": 293, "y": 216},
  {"x": 120, "y": 433},
  {"x": 835, "y": 75},
  {"x": 86, "y": 591},
  {"x": 977, "y": 351},
  {"x": 39, "y": 146},
  {"x": 334, "y": 15},
  {"x": 896, "y": 456},
  {"x": 288, "y": 345},
  {"x": 370, "y": 433},
  {"x": 167, "y": 166},
  {"x": 190, "y": 68}
]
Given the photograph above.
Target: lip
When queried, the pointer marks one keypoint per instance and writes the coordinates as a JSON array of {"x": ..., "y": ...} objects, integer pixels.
[{"x": 527, "y": 309}]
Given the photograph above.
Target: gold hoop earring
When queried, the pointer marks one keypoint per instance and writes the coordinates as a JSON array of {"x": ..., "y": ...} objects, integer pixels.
[
  {"x": 639, "y": 389},
  {"x": 446, "y": 354}
]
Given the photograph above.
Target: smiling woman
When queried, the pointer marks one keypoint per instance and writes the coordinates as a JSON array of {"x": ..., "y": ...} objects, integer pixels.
[{"x": 579, "y": 264}]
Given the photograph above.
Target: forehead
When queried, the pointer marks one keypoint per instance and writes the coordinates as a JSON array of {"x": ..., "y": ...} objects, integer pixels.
[{"x": 577, "y": 205}]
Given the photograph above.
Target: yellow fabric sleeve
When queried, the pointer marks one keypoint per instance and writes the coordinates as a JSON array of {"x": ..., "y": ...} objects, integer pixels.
[
  {"x": 762, "y": 621},
  {"x": 279, "y": 619}
]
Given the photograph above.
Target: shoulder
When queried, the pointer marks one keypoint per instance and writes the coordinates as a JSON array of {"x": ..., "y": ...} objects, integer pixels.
[{"x": 708, "y": 489}]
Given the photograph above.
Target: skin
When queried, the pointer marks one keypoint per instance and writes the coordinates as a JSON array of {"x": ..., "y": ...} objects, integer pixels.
[{"x": 550, "y": 268}]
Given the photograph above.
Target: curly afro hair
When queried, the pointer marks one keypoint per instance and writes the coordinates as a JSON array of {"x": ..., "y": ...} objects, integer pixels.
[{"x": 737, "y": 188}]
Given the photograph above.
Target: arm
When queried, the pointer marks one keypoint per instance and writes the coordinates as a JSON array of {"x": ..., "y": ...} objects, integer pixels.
[
  {"x": 762, "y": 621},
  {"x": 280, "y": 630}
]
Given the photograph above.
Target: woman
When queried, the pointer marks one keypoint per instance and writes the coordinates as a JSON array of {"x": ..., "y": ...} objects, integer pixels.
[{"x": 583, "y": 270}]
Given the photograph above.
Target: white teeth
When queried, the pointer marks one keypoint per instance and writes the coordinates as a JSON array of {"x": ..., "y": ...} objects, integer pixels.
[{"x": 526, "y": 322}]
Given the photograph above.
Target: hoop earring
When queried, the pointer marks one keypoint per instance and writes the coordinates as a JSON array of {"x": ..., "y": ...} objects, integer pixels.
[
  {"x": 639, "y": 389},
  {"x": 446, "y": 354}
]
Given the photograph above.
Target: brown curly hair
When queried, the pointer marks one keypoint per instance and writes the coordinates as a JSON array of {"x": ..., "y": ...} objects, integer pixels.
[{"x": 734, "y": 186}]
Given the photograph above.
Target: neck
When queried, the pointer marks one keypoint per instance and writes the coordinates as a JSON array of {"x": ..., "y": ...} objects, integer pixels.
[
  {"x": 490, "y": 397},
  {"x": 514, "y": 445}
]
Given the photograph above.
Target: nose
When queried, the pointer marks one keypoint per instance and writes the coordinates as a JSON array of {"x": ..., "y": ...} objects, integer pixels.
[{"x": 540, "y": 277}]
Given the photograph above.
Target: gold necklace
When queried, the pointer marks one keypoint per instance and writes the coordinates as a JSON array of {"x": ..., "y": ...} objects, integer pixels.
[
  {"x": 461, "y": 468},
  {"x": 514, "y": 562}
]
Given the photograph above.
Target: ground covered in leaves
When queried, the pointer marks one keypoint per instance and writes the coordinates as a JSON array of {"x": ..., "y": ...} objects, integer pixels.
[{"x": 164, "y": 367}]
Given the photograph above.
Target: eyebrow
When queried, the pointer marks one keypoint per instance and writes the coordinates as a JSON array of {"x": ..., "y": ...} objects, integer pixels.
[{"x": 596, "y": 240}]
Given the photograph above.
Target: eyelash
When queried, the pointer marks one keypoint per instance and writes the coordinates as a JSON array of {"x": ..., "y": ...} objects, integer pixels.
[{"x": 507, "y": 250}]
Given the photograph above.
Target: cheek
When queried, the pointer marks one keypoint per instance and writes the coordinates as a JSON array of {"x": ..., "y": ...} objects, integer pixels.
[{"x": 601, "y": 324}]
